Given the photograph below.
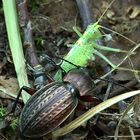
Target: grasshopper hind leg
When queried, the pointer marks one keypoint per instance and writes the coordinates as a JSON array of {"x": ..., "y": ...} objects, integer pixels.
[{"x": 105, "y": 58}]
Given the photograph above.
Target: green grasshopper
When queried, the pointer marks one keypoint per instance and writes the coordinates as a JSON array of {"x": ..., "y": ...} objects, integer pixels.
[{"x": 86, "y": 47}]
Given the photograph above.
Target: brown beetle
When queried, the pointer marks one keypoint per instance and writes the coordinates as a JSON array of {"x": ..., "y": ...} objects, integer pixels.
[{"x": 53, "y": 103}]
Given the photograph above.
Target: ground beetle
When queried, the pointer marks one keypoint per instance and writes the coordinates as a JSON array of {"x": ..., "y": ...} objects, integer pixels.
[{"x": 53, "y": 103}]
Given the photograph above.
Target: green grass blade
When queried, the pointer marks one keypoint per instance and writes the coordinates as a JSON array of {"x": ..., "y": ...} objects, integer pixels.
[{"x": 14, "y": 38}]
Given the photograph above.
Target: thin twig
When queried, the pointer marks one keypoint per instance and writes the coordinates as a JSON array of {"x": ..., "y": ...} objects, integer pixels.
[{"x": 25, "y": 23}]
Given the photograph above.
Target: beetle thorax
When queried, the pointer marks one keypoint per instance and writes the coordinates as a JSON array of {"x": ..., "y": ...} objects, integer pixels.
[{"x": 80, "y": 79}]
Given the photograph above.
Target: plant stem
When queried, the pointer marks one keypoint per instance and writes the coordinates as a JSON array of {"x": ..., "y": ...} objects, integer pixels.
[{"x": 85, "y": 12}]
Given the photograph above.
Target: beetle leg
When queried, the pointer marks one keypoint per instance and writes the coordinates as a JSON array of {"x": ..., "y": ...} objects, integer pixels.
[
  {"x": 25, "y": 88},
  {"x": 81, "y": 107},
  {"x": 89, "y": 98}
]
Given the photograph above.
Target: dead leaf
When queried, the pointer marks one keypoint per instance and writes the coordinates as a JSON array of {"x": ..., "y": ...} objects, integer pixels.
[
  {"x": 133, "y": 11},
  {"x": 9, "y": 83}
]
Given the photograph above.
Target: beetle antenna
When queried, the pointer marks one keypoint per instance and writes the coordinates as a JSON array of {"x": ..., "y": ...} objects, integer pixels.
[
  {"x": 68, "y": 61},
  {"x": 114, "y": 82},
  {"x": 46, "y": 57}
]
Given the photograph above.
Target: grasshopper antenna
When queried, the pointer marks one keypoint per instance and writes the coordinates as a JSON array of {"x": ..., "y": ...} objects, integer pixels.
[
  {"x": 110, "y": 29},
  {"x": 105, "y": 11}
]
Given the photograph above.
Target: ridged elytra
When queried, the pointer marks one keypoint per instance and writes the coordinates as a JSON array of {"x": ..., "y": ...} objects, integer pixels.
[{"x": 53, "y": 103}]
